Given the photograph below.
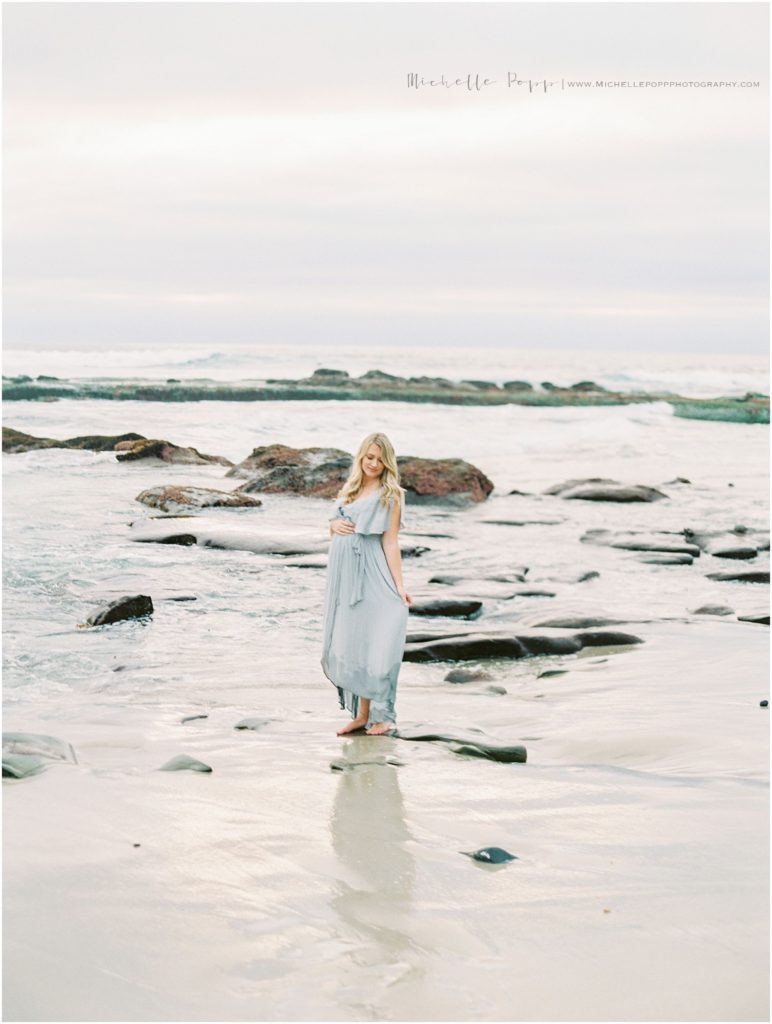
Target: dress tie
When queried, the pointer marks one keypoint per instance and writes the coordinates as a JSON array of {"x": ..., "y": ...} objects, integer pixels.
[{"x": 358, "y": 591}]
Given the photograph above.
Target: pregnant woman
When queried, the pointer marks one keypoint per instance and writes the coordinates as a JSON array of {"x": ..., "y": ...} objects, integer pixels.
[{"x": 365, "y": 604}]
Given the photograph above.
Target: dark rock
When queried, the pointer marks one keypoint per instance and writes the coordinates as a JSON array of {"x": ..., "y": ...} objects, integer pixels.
[
  {"x": 577, "y": 622},
  {"x": 325, "y": 374},
  {"x": 448, "y": 579},
  {"x": 661, "y": 559},
  {"x": 466, "y": 675},
  {"x": 609, "y": 639},
  {"x": 678, "y": 480},
  {"x": 517, "y": 385},
  {"x": 192, "y": 718},
  {"x": 413, "y": 551},
  {"x": 171, "y": 498},
  {"x": 601, "y": 489},
  {"x": 472, "y": 748},
  {"x": 128, "y": 607},
  {"x": 523, "y": 522},
  {"x": 727, "y": 543},
  {"x": 586, "y": 385},
  {"x": 254, "y": 724},
  {"x": 15, "y": 441},
  {"x": 762, "y": 619},
  {"x": 534, "y": 593},
  {"x": 490, "y": 855},
  {"x": 279, "y": 469},
  {"x": 460, "y": 609},
  {"x": 483, "y": 385},
  {"x": 524, "y": 494},
  {"x": 763, "y": 703},
  {"x": 183, "y": 762},
  {"x": 185, "y": 540},
  {"x": 591, "y": 575},
  {"x": 713, "y": 609},
  {"x": 547, "y": 673},
  {"x": 445, "y": 481},
  {"x": 165, "y": 451},
  {"x": 471, "y": 646},
  {"x": 741, "y": 577}
]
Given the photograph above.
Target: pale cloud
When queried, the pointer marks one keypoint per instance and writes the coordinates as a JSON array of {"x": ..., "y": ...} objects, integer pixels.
[{"x": 189, "y": 171}]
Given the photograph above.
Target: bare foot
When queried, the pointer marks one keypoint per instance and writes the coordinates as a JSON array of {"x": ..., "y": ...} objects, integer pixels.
[
  {"x": 355, "y": 723},
  {"x": 380, "y": 728}
]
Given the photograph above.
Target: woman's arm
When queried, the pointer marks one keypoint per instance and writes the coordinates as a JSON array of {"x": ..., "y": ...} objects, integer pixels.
[{"x": 390, "y": 542}]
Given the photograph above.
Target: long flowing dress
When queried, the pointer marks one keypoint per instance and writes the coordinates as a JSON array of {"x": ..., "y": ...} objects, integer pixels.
[{"x": 365, "y": 619}]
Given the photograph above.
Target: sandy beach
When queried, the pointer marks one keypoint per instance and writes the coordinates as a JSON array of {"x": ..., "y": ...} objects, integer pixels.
[{"x": 312, "y": 877}]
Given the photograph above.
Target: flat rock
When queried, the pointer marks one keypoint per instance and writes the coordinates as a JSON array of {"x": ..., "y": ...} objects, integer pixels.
[
  {"x": 182, "y": 763},
  {"x": 661, "y": 559},
  {"x": 749, "y": 576},
  {"x": 127, "y": 607},
  {"x": 192, "y": 718},
  {"x": 506, "y": 754},
  {"x": 713, "y": 609},
  {"x": 172, "y": 498},
  {"x": 254, "y": 724},
  {"x": 740, "y": 543},
  {"x": 601, "y": 489},
  {"x": 665, "y": 543},
  {"x": 28, "y": 753},
  {"x": 577, "y": 622},
  {"x": 229, "y": 536},
  {"x": 471, "y": 646},
  {"x": 523, "y": 522},
  {"x": 156, "y": 450},
  {"x": 448, "y": 607},
  {"x": 762, "y": 618}
]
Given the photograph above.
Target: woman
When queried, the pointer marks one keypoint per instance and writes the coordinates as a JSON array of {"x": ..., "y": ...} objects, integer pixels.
[{"x": 365, "y": 604}]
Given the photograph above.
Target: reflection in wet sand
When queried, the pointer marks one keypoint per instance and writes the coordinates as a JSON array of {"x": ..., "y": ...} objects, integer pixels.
[{"x": 374, "y": 900}]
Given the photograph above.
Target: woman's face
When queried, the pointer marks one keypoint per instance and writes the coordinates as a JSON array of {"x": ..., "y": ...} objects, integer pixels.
[{"x": 372, "y": 466}]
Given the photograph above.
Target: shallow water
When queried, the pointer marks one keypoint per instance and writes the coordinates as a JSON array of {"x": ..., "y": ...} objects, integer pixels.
[{"x": 277, "y": 888}]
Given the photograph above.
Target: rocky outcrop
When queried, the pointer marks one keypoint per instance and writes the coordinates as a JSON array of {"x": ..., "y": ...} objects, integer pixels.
[
  {"x": 154, "y": 450},
  {"x": 444, "y": 481},
  {"x": 131, "y": 607},
  {"x": 15, "y": 441},
  {"x": 321, "y": 472},
  {"x": 175, "y": 499},
  {"x": 279, "y": 469},
  {"x": 601, "y": 489}
]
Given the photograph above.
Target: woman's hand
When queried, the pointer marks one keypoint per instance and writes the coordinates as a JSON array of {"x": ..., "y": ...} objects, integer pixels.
[
  {"x": 341, "y": 526},
  {"x": 405, "y": 596}
]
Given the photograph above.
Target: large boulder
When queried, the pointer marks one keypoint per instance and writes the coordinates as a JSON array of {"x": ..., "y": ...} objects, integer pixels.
[
  {"x": 175, "y": 499},
  {"x": 446, "y": 481},
  {"x": 155, "y": 450},
  {"x": 279, "y": 469},
  {"x": 130, "y": 607},
  {"x": 602, "y": 489}
]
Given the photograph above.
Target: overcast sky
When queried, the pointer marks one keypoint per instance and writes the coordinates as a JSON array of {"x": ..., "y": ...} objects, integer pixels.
[{"x": 261, "y": 173}]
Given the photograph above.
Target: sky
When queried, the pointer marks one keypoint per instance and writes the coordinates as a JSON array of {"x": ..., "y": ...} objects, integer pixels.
[{"x": 261, "y": 173}]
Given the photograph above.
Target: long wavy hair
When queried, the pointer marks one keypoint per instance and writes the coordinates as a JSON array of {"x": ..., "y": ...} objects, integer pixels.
[{"x": 389, "y": 477}]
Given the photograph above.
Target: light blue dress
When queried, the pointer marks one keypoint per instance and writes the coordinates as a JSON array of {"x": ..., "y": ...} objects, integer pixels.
[{"x": 365, "y": 619}]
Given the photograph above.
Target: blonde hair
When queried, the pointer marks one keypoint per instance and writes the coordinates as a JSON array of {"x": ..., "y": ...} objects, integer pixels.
[{"x": 389, "y": 477}]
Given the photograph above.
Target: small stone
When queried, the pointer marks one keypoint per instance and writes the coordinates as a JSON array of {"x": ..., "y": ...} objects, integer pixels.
[
  {"x": 490, "y": 855},
  {"x": 192, "y": 718},
  {"x": 136, "y": 845},
  {"x": 495, "y": 689},
  {"x": 547, "y": 672},
  {"x": 764, "y": 704},
  {"x": 183, "y": 762},
  {"x": 252, "y": 723}
]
